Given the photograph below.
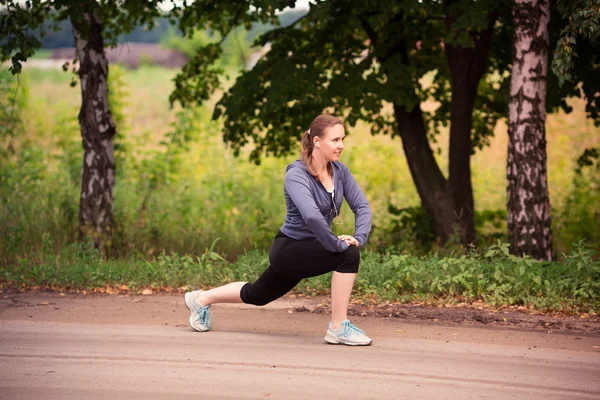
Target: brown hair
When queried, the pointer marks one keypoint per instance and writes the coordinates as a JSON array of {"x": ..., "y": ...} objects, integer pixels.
[{"x": 317, "y": 129}]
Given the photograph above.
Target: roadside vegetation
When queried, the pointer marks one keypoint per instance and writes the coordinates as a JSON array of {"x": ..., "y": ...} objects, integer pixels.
[{"x": 494, "y": 278}]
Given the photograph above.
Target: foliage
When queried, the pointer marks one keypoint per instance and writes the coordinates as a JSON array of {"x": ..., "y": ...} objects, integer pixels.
[
  {"x": 569, "y": 22},
  {"x": 22, "y": 25},
  {"x": 326, "y": 60},
  {"x": 60, "y": 34},
  {"x": 583, "y": 18},
  {"x": 330, "y": 61},
  {"x": 199, "y": 78},
  {"x": 495, "y": 277},
  {"x": 192, "y": 202}
]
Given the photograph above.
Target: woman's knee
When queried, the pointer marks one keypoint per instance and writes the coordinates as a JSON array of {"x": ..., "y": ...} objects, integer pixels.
[
  {"x": 351, "y": 260},
  {"x": 251, "y": 295}
]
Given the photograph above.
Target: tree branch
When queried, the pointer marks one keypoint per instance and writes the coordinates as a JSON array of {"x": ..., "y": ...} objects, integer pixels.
[{"x": 370, "y": 31}]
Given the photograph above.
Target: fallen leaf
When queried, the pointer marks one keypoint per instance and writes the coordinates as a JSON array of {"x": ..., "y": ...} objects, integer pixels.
[
  {"x": 147, "y": 292},
  {"x": 44, "y": 303},
  {"x": 137, "y": 300},
  {"x": 400, "y": 330}
]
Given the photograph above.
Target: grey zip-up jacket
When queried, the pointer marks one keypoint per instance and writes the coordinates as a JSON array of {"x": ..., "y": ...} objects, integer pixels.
[{"x": 310, "y": 208}]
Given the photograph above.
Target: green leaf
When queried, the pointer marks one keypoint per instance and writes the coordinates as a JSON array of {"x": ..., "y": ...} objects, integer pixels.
[{"x": 497, "y": 274}]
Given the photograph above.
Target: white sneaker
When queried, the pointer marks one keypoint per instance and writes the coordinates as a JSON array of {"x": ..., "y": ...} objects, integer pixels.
[
  {"x": 201, "y": 317},
  {"x": 347, "y": 334}
]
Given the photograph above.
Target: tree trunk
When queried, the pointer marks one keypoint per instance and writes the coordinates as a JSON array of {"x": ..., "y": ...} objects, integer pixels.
[
  {"x": 467, "y": 66},
  {"x": 97, "y": 128},
  {"x": 528, "y": 202},
  {"x": 437, "y": 195},
  {"x": 429, "y": 180}
]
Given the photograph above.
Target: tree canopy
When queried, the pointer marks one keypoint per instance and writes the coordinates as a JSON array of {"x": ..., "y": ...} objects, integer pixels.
[
  {"x": 328, "y": 60},
  {"x": 581, "y": 19},
  {"x": 24, "y": 24}
]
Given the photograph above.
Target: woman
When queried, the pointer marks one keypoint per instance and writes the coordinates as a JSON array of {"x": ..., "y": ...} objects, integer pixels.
[{"x": 305, "y": 246}]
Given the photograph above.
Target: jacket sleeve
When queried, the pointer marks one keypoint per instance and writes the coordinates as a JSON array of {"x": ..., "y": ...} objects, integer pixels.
[
  {"x": 359, "y": 205},
  {"x": 298, "y": 188}
]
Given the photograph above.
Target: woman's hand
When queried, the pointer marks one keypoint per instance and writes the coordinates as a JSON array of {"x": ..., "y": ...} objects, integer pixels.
[{"x": 351, "y": 240}]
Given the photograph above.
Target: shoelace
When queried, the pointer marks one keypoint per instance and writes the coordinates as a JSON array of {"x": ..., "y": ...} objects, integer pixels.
[
  {"x": 349, "y": 328},
  {"x": 206, "y": 316}
]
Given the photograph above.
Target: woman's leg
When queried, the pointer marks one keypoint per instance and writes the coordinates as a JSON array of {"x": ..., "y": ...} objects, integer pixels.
[
  {"x": 229, "y": 293},
  {"x": 268, "y": 287},
  {"x": 310, "y": 258},
  {"x": 341, "y": 289}
]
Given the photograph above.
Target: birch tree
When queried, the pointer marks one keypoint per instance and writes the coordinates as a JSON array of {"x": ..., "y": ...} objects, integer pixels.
[
  {"x": 97, "y": 126},
  {"x": 529, "y": 221},
  {"x": 95, "y": 23}
]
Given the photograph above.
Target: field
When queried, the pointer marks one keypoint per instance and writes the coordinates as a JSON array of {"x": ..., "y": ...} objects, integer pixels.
[
  {"x": 190, "y": 213},
  {"x": 172, "y": 197}
]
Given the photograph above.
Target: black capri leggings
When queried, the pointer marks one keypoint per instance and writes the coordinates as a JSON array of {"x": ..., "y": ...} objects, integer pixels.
[{"x": 293, "y": 260}]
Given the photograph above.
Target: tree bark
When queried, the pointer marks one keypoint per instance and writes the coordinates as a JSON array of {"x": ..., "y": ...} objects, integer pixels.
[
  {"x": 97, "y": 128},
  {"x": 467, "y": 67},
  {"x": 529, "y": 223},
  {"x": 429, "y": 180}
]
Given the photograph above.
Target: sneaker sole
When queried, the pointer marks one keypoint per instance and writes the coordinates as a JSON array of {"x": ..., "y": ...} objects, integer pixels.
[
  {"x": 196, "y": 329},
  {"x": 332, "y": 339}
]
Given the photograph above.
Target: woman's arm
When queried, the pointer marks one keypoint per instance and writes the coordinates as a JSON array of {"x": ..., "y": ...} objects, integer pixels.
[
  {"x": 298, "y": 188},
  {"x": 359, "y": 205}
]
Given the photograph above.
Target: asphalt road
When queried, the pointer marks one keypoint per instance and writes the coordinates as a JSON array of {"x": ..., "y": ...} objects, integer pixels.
[{"x": 140, "y": 347}]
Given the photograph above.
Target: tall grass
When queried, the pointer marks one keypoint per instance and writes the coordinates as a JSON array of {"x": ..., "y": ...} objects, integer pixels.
[{"x": 179, "y": 188}]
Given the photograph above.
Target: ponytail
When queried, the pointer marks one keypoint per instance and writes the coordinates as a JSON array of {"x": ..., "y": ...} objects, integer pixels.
[{"x": 307, "y": 149}]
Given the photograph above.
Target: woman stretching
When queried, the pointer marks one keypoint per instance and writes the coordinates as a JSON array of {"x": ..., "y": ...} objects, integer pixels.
[{"x": 305, "y": 246}]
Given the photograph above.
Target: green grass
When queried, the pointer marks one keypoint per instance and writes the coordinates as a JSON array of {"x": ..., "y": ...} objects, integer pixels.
[{"x": 494, "y": 277}]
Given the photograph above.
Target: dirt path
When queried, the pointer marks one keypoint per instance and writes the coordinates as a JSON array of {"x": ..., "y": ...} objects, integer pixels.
[{"x": 54, "y": 346}]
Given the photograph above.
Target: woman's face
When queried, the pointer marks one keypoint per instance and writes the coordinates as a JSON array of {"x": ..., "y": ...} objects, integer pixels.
[{"x": 331, "y": 144}]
